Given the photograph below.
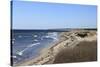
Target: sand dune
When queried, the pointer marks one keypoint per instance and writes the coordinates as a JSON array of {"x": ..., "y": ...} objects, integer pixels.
[{"x": 83, "y": 51}]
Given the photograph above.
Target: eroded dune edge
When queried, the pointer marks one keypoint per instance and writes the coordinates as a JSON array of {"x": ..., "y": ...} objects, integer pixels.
[{"x": 73, "y": 46}]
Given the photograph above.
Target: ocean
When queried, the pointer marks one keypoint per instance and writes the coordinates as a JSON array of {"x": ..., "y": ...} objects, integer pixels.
[{"x": 27, "y": 44}]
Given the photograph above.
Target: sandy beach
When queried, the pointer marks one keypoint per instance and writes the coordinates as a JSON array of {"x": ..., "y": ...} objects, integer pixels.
[{"x": 73, "y": 46}]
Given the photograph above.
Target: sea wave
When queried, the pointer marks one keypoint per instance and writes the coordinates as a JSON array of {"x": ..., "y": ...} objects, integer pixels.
[
  {"x": 21, "y": 52},
  {"x": 52, "y": 35}
]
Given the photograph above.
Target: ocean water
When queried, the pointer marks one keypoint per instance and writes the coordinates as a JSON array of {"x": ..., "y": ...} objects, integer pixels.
[{"x": 27, "y": 44}]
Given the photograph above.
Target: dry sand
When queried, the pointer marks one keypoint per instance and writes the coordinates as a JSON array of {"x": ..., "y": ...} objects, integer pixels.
[
  {"x": 84, "y": 51},
  {"x": 74, "y": 46}
]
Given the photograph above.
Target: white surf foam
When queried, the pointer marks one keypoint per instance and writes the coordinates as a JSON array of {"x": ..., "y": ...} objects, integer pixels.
[
  {"x": 21, "y": 52},
  {"x": 35, "y": 35},
  {"x": 36, "y": 40},
  {"x": 14, "y": 56},
  {"x": 52, "y": 35},
  {"x": 13, "y": 42},
  {"x": 33, "y": 44}
]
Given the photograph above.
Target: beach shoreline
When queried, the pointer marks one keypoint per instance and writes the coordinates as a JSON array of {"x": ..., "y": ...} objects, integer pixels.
[{"x": 68, "y": 41}]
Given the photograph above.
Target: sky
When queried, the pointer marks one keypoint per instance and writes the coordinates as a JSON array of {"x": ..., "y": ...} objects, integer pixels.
[{"x": 42, "y": 15}]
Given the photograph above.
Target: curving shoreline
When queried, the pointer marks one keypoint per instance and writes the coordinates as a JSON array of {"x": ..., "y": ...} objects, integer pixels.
[{"x": 63, "y": 49}]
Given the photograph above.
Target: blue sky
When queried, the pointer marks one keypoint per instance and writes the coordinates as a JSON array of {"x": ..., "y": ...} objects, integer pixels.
[{"x": 40, "y": 15}]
